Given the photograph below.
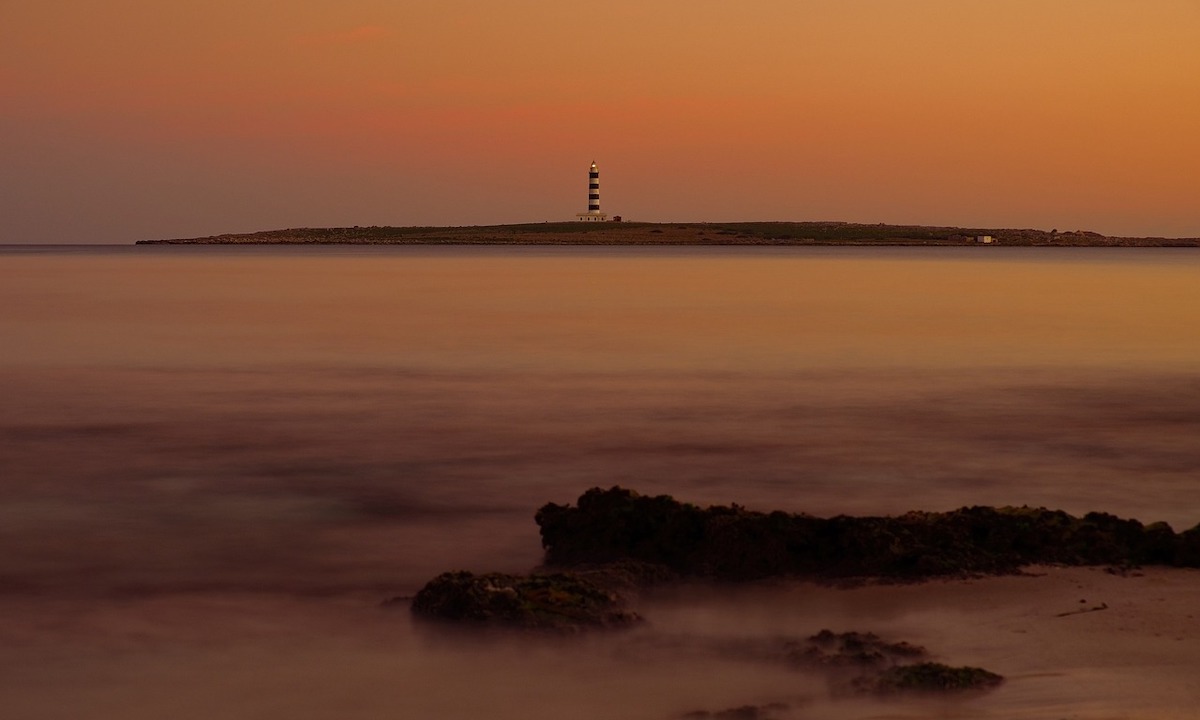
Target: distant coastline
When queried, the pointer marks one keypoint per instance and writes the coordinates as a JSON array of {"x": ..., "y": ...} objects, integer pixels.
[{"x": 637, "y": 233}]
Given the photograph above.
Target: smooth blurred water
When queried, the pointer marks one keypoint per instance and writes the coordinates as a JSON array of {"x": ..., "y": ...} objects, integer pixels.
[{"x": 348, "y": 422}]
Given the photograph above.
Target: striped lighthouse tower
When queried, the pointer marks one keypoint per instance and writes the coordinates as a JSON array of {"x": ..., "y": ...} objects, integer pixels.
[
  {"x": 593, "y": 213},
  {"x": 593, "y": 189}
]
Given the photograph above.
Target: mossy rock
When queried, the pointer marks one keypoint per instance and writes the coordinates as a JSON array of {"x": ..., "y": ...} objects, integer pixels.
[
  {"x": 930, "y": 677},
  {"x": 770, "y": 711},
  {"x": 557, "y": 602},
  {"x": 863, "y": 651}
]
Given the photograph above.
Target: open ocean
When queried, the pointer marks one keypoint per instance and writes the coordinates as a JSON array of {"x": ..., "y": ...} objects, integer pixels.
[{"x": 215, "y": 462}]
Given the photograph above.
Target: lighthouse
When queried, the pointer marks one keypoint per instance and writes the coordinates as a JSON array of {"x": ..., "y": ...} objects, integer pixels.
[{"x": 593, "y": 213}]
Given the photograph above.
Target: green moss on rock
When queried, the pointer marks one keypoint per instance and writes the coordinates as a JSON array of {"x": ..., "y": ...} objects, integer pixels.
[
  {"x": 769, "y": 711},
  {"x": 930, "y": 677},
  {"x": 857, "y": 650},
  {"x": 559, "y": 602}
]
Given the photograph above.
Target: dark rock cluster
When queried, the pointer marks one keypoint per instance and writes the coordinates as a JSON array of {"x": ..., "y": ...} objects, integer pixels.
[
  {"x": 930, "y": 677},
  {"x": 558, "y": 602},
  {"x": 614, "y": 542},
  {"x": 744, "y": 712},
  {"x": 859, "y": 663},
  {"x": 854, "y": 663},
  {"x": 732, "y": 543},
  {"x": 828, "y": 649}
]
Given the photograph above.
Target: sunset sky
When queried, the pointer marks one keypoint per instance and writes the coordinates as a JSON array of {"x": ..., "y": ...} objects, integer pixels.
[{"x": 133, "y": 119}]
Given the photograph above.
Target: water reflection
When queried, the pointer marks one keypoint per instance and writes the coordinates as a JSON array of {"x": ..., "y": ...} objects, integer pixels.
[{"x": 262, "y": 428}]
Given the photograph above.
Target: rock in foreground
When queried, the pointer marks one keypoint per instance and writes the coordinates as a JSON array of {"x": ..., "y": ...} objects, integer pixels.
[
  {"x": 744, "y": 712},
  {"x": 832, "y": 650},
  {"x": 929, "y": 677},
  {"x": 866, "y": 663},
  {"x": 558, "y": 602},
  {"x": 732, "y": 543}
]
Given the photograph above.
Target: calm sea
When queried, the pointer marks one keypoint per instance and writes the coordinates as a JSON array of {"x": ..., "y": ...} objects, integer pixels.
[{"x": 213, "y": 432}]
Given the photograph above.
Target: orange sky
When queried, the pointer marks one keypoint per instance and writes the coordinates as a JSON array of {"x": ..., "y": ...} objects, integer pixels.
[{"x": 126, "y": 119}]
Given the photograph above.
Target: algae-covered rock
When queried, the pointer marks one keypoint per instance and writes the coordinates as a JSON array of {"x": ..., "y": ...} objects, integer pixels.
[
  {"x": 770, "y": 711},
  {"x": 857, "y": 663},
  {"x": 828, "y": 649},
  {"x": 930, "y": 677},
  {"x": 732, "y": 543},
  {"x": 560, "y": 602}
]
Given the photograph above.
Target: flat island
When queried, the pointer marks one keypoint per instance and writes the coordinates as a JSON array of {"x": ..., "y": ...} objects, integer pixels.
[{"x": 639, "y": 233}]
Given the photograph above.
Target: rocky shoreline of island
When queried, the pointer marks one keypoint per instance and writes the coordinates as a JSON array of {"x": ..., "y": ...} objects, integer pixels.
[{"x": 683, "y": 234}]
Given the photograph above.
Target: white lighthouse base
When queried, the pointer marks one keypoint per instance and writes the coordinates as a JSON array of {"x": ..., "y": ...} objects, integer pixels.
[{"x": 591, "y": 217}]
